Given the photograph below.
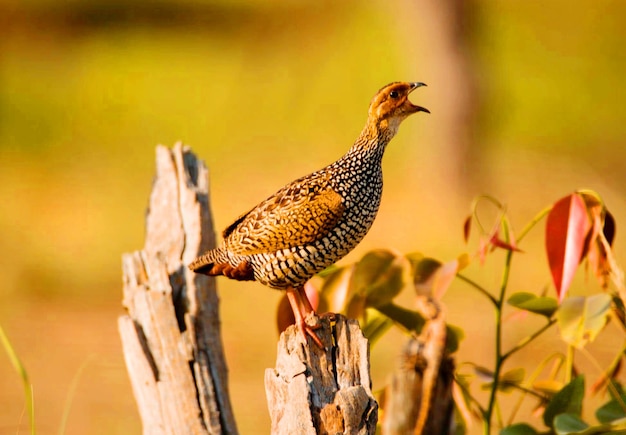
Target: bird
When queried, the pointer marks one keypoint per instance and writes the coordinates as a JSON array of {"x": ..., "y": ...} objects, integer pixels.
[{"x": 314, "y": 221}]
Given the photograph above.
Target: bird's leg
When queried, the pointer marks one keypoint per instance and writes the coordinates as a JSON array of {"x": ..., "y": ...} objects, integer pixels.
[
  {"x": 306, "y": 304},
  {"x": 301, "y": 307}
]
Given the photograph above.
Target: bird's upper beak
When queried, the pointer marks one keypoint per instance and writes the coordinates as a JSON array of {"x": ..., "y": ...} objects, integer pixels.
[{"x": 413, "y": 107}]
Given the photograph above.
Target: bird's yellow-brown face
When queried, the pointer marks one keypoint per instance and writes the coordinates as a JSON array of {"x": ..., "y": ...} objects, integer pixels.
[{"x": 391, "y": 104}]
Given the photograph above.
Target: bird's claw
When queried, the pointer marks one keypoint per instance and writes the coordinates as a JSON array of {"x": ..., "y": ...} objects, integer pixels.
[{"x": 309, "y": 330}]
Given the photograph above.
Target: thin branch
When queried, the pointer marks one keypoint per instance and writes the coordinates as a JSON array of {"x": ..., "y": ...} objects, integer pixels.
[
  {"x": 529, "y": 339},
  {"x": 479, "y": 288},
  {"x": 498, "y": 337},
  {"x": 533, "y": 222}
]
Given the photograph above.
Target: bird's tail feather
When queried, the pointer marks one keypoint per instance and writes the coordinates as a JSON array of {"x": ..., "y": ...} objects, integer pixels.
[
  {"x": 205, "y": 263},
  {"x": 216, "y": 262}
]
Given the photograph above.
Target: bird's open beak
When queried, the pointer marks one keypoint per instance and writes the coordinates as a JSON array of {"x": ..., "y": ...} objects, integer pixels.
[{"x": 414, "y": 108}]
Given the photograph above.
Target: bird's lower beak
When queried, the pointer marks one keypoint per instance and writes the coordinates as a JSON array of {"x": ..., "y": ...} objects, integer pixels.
[{"x": 413, "y": 107}]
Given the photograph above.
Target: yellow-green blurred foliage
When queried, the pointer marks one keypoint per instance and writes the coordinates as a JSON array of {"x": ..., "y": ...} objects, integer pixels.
[{"x": 265, "y": 92}]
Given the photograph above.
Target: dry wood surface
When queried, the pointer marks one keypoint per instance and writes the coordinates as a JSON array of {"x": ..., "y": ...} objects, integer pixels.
[{"x": 171, "y": 332}]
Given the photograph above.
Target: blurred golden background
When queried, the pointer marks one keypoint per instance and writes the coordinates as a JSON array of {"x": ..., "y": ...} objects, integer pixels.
[{"x": 527, "y": 105}]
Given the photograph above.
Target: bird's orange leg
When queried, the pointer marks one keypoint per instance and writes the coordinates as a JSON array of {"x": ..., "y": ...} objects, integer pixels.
[
  {"x": 301, "y": 307},
  {"x": 306, "y": 304}
]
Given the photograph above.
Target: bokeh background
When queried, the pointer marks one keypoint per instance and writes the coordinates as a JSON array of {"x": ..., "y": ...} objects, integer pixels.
[{"x": 527, "y": 102}]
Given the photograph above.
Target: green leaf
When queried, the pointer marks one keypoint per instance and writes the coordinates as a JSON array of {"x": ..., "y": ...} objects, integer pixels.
[
  {"x": 519, "y": 429},
  {"x": 424, "y": 270},
  {"x": 484, "y": 374},
  {"x": 379, "y": 276},
  {"x": 454, "y": 335},
  {"x": 542, "y": 305},
  {"x": 610, "y": 412},
  {"x": 569, "y": 424},
  {"x": 376, "y": 325},
  {"x": 582, "y": 318},
  {"x": 412, "y": 321},
  {"x": 511, "y": 379},
  {"x": 409, "y": 320},
  {"x": 431, "y": 277},
  {"x": 328, "y": 271},
  {"x": 414, "y": 258},
  {"x": 356, "y": 306},
  {"x": 508, "y": 381},
  {"x": 568, "y": 400},
  {"x": 548, "y": 386},
  {"x": 614, "y": 409},
  {"x": 619, "y": 310}
]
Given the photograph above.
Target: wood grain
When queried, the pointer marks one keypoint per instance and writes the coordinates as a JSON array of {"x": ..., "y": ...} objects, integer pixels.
[
  {"x": 322, "y": 391},
  {"x": 171, "y": 332}
]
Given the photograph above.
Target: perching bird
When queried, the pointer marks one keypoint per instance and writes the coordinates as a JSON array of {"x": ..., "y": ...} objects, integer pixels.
[{"x": 315, "y": 220}]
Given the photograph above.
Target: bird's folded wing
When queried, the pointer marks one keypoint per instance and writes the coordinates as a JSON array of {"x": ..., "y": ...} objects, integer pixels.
[{"x": 298, "y": 214}]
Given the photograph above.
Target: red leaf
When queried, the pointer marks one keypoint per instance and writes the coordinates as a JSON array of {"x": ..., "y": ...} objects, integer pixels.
[
  {"x": 566, "y": 229},
  {"x": 597, "y": 248},
  {"x": 499, "y": 243},
  {"x": 609, "y": 227},
  {"x": 444, "y": 277},
  {"x": 483, "y": 247},
  {"x": 467, "y": 226}
]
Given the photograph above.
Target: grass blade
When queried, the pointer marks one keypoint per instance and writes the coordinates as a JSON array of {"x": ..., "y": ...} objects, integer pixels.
[{"x": 19, "y": 367}]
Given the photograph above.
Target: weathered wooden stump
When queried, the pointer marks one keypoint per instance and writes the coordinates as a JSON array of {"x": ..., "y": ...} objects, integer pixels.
[
  {"x": 171, "y": 334},
  {"x": 322, "y": 391}
]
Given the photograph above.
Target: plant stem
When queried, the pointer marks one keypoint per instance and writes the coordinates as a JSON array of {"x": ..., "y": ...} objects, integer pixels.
[
  {"x": 528, "y": 339},
  {"x": 71, "y": 393},
  {"x": 479, "y": 288},
  {"x": 474, "y": 208},
  {"x": 529, "y": 226},
  {"x": 499, "y": 357},
  {"x": 569, "y": 363},
  {"x": 470, "y": 397}
]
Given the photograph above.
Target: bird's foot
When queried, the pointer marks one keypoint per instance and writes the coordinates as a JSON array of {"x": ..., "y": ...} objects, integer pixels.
[
  {"x": 306, "y": 319},
  {"x": 307, "y": 329}
]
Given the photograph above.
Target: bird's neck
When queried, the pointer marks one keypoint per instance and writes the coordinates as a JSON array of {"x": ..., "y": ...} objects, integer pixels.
[{"x": 373, "y": 139}]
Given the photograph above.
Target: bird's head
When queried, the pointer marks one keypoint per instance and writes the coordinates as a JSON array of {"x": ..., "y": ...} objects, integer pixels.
[{"x": 391, "y": 105}]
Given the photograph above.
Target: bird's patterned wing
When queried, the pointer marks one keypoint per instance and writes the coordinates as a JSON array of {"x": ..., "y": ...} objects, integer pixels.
[{"x": 298, "y": 214}]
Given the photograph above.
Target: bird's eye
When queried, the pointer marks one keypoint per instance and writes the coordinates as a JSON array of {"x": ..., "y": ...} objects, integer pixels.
[{"x": 394, "y": 94}]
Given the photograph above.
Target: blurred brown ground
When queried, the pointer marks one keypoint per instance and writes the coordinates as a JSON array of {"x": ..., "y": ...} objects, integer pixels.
[{"x": 527, "y": 105}]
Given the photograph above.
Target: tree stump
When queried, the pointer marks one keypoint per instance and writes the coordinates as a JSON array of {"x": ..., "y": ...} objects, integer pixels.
[
  {"x": 171, "y": 334},
  {"x": 418, "y": 399},
  {"x": 322, "y": 391}
]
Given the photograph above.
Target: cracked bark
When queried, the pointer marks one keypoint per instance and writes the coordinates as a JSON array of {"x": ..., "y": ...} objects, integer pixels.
[
  {"x": 171, "y": 332},
  {"x": 322, "y": 391}
]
